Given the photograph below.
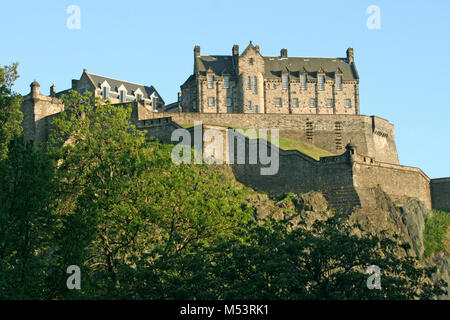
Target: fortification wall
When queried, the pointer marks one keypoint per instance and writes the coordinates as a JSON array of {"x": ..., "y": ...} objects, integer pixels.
[
  {"x": 440, "y": 193},
  {"x": 399, "y": 182},
  {"x": 373, "y": 136},
  {"x": 38, "y": 111}
]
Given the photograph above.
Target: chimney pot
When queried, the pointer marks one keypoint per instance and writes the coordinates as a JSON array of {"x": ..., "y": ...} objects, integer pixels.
[
  {"x": 284, "y": 53},
  {"x": 53, "y": 91}
]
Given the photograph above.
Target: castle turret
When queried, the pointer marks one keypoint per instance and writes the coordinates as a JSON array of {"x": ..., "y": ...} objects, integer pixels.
[{"x": 35, "y": 89}]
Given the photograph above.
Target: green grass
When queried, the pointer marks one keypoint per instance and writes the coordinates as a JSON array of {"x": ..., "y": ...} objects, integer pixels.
[
  {"x": 436, "y": 234},
  {"x": 286, "y": 144}
]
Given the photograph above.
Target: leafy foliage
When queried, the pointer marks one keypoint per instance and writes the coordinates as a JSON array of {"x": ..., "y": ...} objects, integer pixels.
[
  {"x": 436, "y": 234},
  {"x": 10, "y": 114}
]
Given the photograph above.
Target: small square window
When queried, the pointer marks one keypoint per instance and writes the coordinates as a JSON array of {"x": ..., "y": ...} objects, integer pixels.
[
  {"x": 330, "y": 103},
  {"x": 312, "y": 103},
  {"x": 278, "y": 102},
  {"x": 348, "y": 103},
  {"x": 211, "y": 101}
]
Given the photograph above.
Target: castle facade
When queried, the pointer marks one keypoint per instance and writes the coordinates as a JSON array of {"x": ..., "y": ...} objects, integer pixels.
[{"x": 252, "y": 83}]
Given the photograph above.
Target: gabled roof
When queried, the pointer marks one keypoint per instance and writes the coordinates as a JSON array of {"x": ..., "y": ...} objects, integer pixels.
[{"x": 129, "y": 86}]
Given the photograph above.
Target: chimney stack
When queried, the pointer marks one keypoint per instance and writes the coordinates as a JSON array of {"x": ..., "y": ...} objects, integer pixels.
[
  {"x": 179, "y": 96},
  {"x": 257, "y": 48},
  {"x": 53, "y": 91},
  {"x": 284, "y": 53},
  {"x": 350, "y": 56},
  {"x": 235, "y": 50},
  {"x": 196, "y": 51}
]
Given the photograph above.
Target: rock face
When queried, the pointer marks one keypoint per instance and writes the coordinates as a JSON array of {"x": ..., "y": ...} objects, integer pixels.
[{"x": 404, "y": 218}]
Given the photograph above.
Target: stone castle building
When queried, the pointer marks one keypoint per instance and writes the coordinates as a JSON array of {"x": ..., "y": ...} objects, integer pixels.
[
  {"x": 314, "y": 100},
  {"x": 117, "y": 91},
  {"x": 252, "y": 83}
]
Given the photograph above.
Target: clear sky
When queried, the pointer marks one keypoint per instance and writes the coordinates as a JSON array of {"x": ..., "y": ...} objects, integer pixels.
[{"x": 404, "y": 65}]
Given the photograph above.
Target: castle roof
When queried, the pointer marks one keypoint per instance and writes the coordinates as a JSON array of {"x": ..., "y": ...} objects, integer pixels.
[
  {"x": 129, "y": 86},
  {"x": 276, "y": 66}
]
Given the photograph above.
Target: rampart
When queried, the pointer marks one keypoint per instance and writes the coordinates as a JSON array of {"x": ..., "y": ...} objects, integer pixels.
[{"x": 373, "y": 136}]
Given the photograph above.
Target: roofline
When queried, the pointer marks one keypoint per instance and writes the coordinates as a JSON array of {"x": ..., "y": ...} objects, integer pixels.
[{"x": 138, "y": 84}]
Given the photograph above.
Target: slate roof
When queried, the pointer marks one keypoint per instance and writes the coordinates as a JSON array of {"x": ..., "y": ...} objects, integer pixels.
[
  {"x": 218, "y": 64},
  {"x": 275, "y": 66},
  {"x": 131, "y": 87}
]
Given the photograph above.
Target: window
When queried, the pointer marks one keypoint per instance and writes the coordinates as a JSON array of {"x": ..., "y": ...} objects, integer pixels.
[
  {"x": 285, "y": 81},
  {"x": 255, "y": 85},
  {"x": 321, "y": 83},
  {"x": 330, "y": 103},
  {"x": 339, "y": 83},
  {"x": 312, "y": 103},
  {"x": 210, "y": 82},
  {"x": 226, "y": 82},
  {"x": 211, "y": 101},
  {"x": 194, "y": 105},
  {"x": 295, "y": 102},
  {"x": 278, "y": 102},
  {"x": 348, "y": 103},
  {"x": 249, "y": 104},
  {"x": 138, "y": 97},
  {"x": 250, "y": 61},
  {"x": 155, "y": 103},
  {"x": 268, "y": 86},
  {"x": 274, "y": 86},
  {"x": 303, "y": 81},
  {"x": 249, "y": 83},
  {"x": 122, "y": 96},
  {"x": 105, "y": 92},
  {"x": 228, "y": 102}
]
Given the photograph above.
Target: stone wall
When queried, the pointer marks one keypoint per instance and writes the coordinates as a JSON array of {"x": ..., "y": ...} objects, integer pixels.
[
  {"x": 440, "y": 193},
  {"x": 399, "y": 182},
  {"x": 373, "y": 136}
]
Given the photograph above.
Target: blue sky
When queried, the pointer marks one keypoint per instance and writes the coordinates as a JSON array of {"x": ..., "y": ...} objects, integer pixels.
[{"x": 404, "y": 66}]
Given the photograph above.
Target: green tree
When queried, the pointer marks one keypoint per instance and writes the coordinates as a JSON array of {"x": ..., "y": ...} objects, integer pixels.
[
  {"x": 26, "y": 222},
  {"x": 10, "y": 114},
  {"x": 122, "y": 200},
  {"x": 327, "y": 260}
]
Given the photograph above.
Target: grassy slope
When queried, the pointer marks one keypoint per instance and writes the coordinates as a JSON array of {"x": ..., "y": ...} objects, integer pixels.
[{"x": 289, "y": 144}]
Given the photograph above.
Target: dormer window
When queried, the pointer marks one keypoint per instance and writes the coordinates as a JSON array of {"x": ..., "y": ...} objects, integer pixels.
[
  {"x": 210, "y": 82},
  {"x": 138, "y": 97},
  {"x": 339, "y": 82},
  {"x": 285, "y": 81},
  {"x": 303, "y": 81},
  {"x": 105, "y": 93},
  {"x": 123, "y": 96},
  {"x": 321, "y": 82},
  {"x": 226, "y": 82}
]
